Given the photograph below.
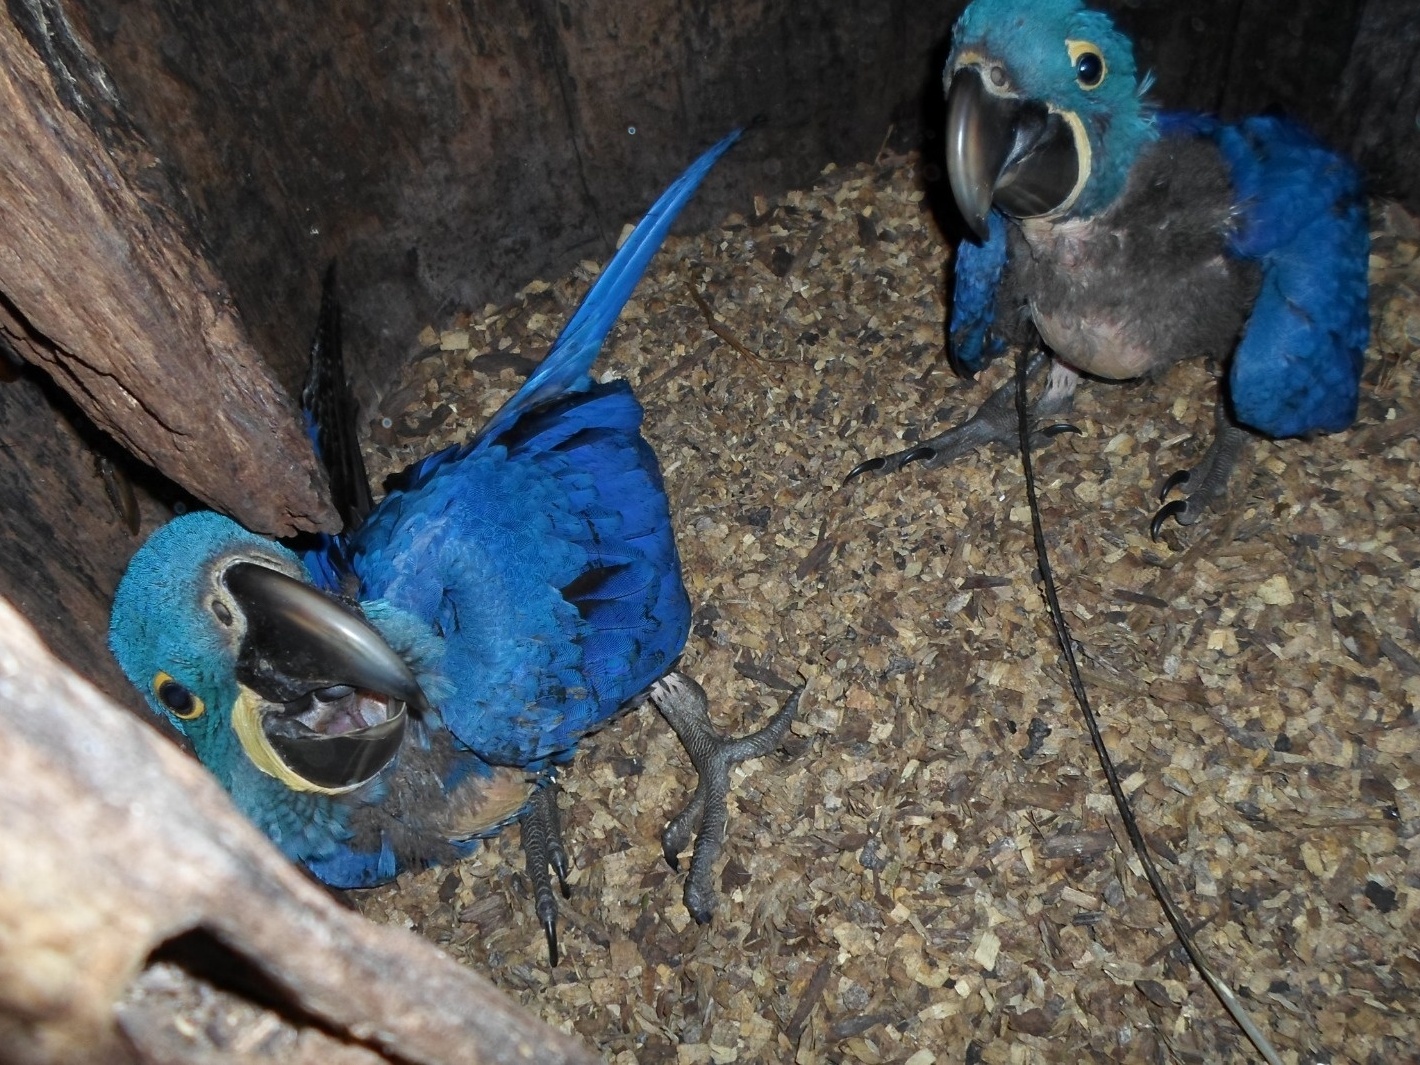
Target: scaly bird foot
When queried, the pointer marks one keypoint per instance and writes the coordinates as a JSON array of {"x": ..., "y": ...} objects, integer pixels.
[
  {"x": 995, "y": 422},
  {"x": 541, "y": 828},
  {"x": 1208, "y": 480},
  {"x": 682, "y": 702}
]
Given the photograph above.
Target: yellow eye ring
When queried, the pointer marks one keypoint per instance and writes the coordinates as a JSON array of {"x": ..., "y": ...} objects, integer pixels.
[
  {"x": 1088, "y": 63},
  {"x": 176, "y": 699}
]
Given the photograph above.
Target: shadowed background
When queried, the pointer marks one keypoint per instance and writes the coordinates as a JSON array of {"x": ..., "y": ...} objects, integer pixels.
[{"x": 446, "y": 154}]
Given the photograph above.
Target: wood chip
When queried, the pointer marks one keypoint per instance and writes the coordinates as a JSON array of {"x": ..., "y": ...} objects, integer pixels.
[{"x": 1256, "y": 676}]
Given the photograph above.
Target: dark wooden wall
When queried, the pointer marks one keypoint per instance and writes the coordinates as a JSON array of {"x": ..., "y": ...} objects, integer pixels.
[
  {"x": 65, "y": 539},
  {"x": 447, "y": 153},
  {"x": 1348, "y": 69}
]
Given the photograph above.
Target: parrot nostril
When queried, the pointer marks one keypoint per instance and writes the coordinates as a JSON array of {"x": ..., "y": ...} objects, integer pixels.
[
  {"x": 220, "y": 612},
  {"x": 998, "y": 76}
]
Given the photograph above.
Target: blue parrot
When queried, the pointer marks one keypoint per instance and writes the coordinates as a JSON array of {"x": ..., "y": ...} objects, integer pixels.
[
  {"x": 394, "y": 694},
  {"x": 1121, "y": 240}
]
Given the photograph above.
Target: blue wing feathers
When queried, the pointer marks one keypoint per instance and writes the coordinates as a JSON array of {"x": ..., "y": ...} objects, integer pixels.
[
  {"x": 978, "y": 278},
  {"x": 550, "y": 563},
  {"x": 1302, "y": 216},
  {"x": 543, "y": 548},
  {"x": 563, "y": 598}
]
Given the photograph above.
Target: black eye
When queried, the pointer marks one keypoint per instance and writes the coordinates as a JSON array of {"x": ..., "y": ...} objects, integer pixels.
[
  {"x": 176, "y": 698},
  {"x": 1089, "y": 69}
]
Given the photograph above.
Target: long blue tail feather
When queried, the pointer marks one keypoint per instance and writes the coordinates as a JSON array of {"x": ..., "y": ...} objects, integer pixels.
[{"x": 566, "y": 365}]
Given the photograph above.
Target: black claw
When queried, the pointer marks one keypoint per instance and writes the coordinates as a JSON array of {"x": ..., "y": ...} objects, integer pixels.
[
  {"x": 556, "y": 852},
  {"x": 549, "y": 928},
  {"x": 866, "y": 466},
  {"x": 1171, "y": 509},
  {"x": 541, "y": 831},
  {"x": 892, "y": 463},
  {"x": 1176, "y": 478},
  {"x": 1061, "y": 427}
]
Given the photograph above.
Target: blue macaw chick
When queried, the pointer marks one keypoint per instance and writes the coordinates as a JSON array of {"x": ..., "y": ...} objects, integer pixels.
[
  {"x": 412, "y": 685},
  {"x": 1122, "y": 240}
]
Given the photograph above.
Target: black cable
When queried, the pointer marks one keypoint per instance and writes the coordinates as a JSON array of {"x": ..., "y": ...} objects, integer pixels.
[{"x": 1116, "y": 789}]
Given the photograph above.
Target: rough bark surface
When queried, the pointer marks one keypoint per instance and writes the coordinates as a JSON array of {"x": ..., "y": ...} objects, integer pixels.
[
  {"x": 66, "y": 540},
  {"x": 104, "y": 284},
  {"x": 123, "y": 866}
]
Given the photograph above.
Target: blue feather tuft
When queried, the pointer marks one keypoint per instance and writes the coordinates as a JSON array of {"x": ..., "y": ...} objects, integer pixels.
[{"x": 978, "y": 276}]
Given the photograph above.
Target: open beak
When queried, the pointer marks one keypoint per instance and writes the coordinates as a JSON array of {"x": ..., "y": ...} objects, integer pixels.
[
  {"x": 1006, "y": 152},
  {"x": 333, "y": 695}
]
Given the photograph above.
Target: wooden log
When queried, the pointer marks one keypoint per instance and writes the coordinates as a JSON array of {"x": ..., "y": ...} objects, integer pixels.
[
  {"x": 66, "y": 541},
  {"x": 104, "y": 284},
  {"x": 120, "y": 857}
]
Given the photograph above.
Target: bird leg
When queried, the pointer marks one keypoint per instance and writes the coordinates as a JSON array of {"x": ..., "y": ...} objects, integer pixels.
[
  {"x": 682, "y": 702},
  {"x": 541, "y": 828},
  {"x": 1208, "y": 480},
  {"x": 995, "y": 422}
]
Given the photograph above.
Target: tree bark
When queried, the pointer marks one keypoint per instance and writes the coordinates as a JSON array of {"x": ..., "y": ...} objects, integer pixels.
[
  {"x": 106, "y": 286},
  {"x": 68, "y": 525}
]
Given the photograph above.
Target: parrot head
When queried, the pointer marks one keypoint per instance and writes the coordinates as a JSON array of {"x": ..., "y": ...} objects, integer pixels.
[
  {"x": 220, "y": 631},
  {"x": 1045, "y": 114}
]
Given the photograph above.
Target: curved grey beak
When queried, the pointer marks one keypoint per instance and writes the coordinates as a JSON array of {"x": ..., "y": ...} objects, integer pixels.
[
  {"x": 1005, "y": 152},
  {"x": 299, "y": 640}
]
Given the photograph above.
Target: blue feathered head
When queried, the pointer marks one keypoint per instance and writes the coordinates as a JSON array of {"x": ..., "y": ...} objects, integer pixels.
[
  {"x": 276, "y": 684},
  {"x": 1045, "y": 110},
  {"x": 176, "y": 629}
]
